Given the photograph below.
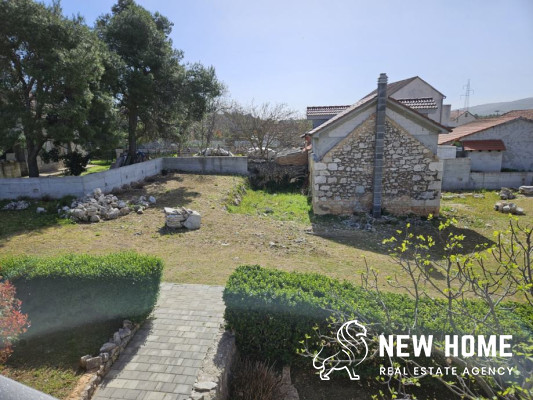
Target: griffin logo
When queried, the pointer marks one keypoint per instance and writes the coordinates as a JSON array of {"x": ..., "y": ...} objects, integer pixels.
[{"x": 351, "y": 338}]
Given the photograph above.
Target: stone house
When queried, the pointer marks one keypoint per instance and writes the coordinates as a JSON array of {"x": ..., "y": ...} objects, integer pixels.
[
  {"x": 376, "y": 155},
  {"x": 412, "y": 92},
  {"x": 491, "y": 144},
  {"x": 461, "y": 117}
]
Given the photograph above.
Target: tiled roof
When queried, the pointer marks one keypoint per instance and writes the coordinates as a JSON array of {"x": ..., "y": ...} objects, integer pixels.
[
  {"x": 393, "y": 87},
  {"x": 362, "y": 102},
  {"x": 520, "y": 113},
  {"x": 342, "y": 114},
  {"x": 477, "y": 126},
  {"x": 483, "y": 145},
  {"x": 324, "y": 110},
  {"x": 419, "y": 104}
]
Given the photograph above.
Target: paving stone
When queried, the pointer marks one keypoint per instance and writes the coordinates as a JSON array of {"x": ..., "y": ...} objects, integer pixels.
[{"x": 164, "y": 357}]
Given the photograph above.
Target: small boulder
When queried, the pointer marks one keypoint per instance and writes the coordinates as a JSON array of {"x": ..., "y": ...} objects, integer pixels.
[
  {"x": 151, "y": 199},
  {"x": 506, "y": 194},
  {"x": 40, "y": 210},
  {"x": 205, "y": 386},
  {"x": 527, "y": 190},
  {"x": 107, "y": 347},
  {"x": 193, "y": 221},
  {"x": 92, "y": 363}
]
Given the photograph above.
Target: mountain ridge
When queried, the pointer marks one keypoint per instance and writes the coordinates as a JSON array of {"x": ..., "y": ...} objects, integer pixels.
[{"x": 501, "y": 107}]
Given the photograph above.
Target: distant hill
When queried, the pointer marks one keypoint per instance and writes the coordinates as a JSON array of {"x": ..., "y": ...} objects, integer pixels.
[{"x": 492, "y": 108}]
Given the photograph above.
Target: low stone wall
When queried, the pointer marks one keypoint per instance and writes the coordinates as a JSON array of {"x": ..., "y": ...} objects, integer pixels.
[
  {"x": 497, "y": 180},
  {"x": 58, "y": 187},
  {"x": 458, "y": 176},
  {"x": 208, "y": 165}
]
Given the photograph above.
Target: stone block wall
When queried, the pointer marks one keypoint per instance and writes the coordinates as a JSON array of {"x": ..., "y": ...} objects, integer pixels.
[{"x": 342, "y": 181}]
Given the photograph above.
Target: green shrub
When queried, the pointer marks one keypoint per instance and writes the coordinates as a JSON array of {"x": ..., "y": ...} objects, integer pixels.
[
  {"x": 271, "y": 311},
  {"x": 73, "y": 290}
]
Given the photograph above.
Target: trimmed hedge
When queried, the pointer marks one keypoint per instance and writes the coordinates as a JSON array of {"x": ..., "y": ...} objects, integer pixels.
[
  {"x": 271, "y": 311},
  {"x": 74, "y": 290}
]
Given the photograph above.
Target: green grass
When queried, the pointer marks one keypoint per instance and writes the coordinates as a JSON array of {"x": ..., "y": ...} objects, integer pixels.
[
  {"x": 19, "y": 221},
  {"x": 97, "y": 166},
  {"x": 51, "y": 363},
  {"x": 282, "y": 206}
]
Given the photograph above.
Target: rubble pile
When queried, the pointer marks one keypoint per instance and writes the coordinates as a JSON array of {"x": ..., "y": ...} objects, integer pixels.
[
  {"x": 16, "y": 205},
  {"x": 96, "y": 207},
  {"x": 508, "y": 208}
]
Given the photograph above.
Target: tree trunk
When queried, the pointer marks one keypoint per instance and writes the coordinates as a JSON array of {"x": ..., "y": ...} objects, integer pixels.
[
  {"x": 132, "y": 135},
  {"x": 33, "y": 151}
]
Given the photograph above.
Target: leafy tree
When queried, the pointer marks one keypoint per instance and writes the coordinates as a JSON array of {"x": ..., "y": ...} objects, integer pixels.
[
  {"x": 50, "y": 72},
  {"x": 158, "y": 95}
]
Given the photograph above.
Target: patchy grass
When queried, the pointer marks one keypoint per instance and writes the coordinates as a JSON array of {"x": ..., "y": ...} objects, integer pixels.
[
  {"x": 286, "y": 238},
  {"x": 51, "y": 363}
]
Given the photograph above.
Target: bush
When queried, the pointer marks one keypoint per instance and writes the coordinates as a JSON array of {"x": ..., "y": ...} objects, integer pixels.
[
  {"x": 255, "y": 380},
  {"x": 73, "y": 290},
  {"x": 271, "y": 311},
  {"x": 12, "y": 322}
]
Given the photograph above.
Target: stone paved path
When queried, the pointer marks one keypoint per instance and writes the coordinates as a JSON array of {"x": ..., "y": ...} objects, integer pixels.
[{"x": 163, "y": 359}]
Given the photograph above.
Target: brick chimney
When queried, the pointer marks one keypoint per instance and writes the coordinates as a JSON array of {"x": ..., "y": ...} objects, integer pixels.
[{"x": 381, "y": 108}]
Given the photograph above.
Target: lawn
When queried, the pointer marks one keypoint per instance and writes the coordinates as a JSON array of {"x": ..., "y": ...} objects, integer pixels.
[
  {"x": 97, "y": 166},
  {"x": 51, "y": 364},
  {"x": 273, "y": 230}
]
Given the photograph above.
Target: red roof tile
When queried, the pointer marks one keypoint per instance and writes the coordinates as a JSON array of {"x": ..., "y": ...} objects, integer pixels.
[
  {"x": 477, "y": 126},
  {"x": 483, "y": 145},
  {"x": 520, "y": 113}
]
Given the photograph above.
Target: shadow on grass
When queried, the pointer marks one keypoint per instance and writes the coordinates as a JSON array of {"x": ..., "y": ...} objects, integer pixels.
[
  {"x": 332, "y": 228},
  {"x": 28, "y": 220},
  {"x": 50, "y": 363}
]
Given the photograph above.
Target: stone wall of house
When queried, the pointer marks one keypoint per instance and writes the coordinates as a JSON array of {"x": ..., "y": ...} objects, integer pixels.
[{"x": 343, "y": 179}]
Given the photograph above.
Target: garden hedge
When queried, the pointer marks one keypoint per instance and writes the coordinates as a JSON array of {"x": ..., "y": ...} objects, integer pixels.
[
  {"x": 74, "y": 290},
  {"x": 271, "y": 311}
]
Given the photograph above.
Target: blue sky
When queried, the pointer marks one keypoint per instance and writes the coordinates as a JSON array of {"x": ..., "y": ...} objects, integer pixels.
[{"x": 311, "y": 52}]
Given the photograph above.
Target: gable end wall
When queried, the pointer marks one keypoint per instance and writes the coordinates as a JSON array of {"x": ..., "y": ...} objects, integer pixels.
[{"x": 342, "y": 180}]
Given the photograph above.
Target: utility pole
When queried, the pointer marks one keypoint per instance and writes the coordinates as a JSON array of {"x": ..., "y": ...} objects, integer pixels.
[{"x": 467, "y": 95}]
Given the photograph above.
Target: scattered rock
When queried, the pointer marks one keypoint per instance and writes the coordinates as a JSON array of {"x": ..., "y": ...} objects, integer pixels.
[
  {"x": 506, "y": 194},
  {"x": 40, "y": 210},
  {"x": 505, "y": 207},
  {"x": 17, "y": 205},
  {"x": 527, "y": 190}
]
